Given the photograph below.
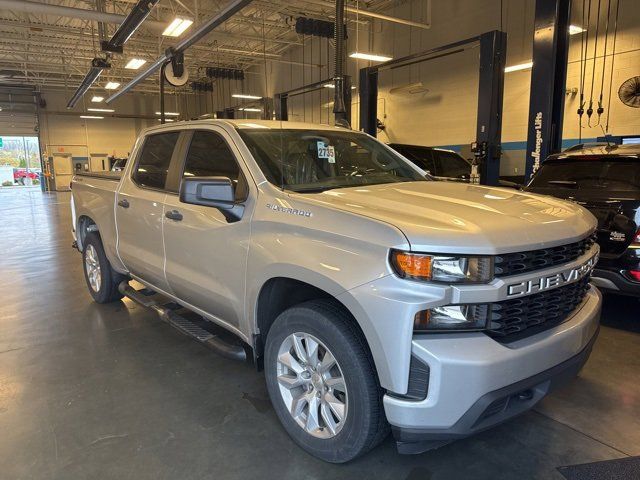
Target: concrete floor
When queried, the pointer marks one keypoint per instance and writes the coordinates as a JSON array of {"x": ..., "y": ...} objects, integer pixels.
[{"x": 108, "y": 391}]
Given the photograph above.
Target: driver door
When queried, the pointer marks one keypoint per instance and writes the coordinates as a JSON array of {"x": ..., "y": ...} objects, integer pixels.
[{"x": 206, "y": 253}]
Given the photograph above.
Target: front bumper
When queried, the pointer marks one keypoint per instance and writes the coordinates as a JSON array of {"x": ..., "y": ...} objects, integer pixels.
[{"x": 476, "y": 382}]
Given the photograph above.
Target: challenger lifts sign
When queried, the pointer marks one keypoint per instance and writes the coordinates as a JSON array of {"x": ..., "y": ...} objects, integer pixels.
[{"x": 537, "y": 151}]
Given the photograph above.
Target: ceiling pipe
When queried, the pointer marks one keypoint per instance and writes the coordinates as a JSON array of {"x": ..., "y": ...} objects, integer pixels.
[
  {"x": 130, "y": 24},
  {"x": 97, "y": 66},
  {"x": 71, "y": 12},
  {"x": 380, "y": 16},
  {"x": 195, "y": 37}
]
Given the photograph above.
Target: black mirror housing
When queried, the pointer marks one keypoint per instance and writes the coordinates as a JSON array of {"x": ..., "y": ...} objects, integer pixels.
[{"x": 216, "y": 192}]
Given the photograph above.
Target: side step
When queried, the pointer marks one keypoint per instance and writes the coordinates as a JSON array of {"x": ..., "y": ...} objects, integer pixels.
[{"x": 184, "y": 325}]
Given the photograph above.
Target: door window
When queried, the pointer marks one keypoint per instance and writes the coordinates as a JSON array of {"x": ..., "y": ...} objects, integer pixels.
[
  {"x": 210, "y": 156},
  {"x": 153, "y": 165}
]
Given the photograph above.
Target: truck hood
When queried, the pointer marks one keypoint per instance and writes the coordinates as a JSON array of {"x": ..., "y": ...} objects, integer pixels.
[{"x": 445, "y": 217}]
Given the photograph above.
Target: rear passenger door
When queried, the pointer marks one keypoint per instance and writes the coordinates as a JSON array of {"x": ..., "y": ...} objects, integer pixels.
[
  {"x": 206, "y": 253},
  {"x": 140, "y": 209}
]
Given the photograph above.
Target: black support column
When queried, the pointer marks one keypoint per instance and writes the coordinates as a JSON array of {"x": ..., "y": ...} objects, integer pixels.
[
  {"x": 280, "y": 104},
  {"x": 493, "y": 52},
  {"x": 548, "y": 82},
  {"x": 369, "y": 100}
]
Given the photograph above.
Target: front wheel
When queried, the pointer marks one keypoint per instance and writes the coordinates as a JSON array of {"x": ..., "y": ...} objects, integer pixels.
[
  {"x": 102, "y": 280},
  {"x": 322, "y": 382}
]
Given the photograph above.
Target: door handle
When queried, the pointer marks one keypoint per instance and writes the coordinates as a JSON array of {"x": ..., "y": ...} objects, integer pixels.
[
  {"x": 124, "y": 203},
  {"x": 173, "y": 215}
]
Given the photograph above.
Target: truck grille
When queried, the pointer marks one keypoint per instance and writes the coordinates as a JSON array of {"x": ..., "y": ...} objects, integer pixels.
[
  {"x": 514, "y": 319},
  {"x": 523, "y": 262}
]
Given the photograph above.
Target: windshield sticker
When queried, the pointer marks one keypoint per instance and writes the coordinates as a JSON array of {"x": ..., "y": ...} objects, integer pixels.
[
  {"x": 323, "y": 150},
  {"x": 332, "y": 154}
]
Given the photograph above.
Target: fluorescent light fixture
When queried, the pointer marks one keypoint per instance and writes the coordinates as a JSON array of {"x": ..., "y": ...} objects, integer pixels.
[
  {"x": 250, "y": 109},
  {"x": 248, "y": 97},
  {"x": 331, "y": 85},
  {"x": 169, "y": 114},
  {"x": 515, "y": 68},
  {"x": 575, "y": 29},
  {"x": 370, "y": 56},
  {"x": 112, "y": 85},
  {"x": 135, "y": 63},
  {"x": 91, "y": 117},
  {"x": 177, "y": 27},
  {"x": 97, "y": 99},
  {"x": 106, "y": 110},
  {"x": 167, "y": 120}
]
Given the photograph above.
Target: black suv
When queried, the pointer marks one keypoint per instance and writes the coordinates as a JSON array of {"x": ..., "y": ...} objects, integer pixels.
[{"x": 605, "y": 180}]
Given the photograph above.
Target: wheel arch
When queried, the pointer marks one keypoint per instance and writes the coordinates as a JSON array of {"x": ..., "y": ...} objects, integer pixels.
[{"x": 281, "y": 293}]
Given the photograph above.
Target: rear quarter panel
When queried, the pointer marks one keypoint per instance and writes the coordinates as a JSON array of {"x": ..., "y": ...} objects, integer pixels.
[{"x": 94, "y": 198}]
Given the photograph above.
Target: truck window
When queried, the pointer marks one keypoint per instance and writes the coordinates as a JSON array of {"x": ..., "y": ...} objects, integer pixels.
[
  {"x": 210, "y": 156},
  {"x": 153, "y": 164}
]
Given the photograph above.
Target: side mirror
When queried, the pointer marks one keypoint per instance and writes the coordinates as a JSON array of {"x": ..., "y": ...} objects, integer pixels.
[{"x": 216, "y": 192}]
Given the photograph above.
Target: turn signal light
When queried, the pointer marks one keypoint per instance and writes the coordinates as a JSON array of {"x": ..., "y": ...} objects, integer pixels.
[
  {"x": 636, "y": 239},
  {"x": 410, "y": 265}
]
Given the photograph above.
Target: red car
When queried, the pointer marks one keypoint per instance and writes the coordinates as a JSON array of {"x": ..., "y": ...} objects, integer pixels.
[{"x": 19, "y": 175}]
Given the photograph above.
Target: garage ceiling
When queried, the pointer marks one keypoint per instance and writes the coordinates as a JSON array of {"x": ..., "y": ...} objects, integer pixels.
[{"x": 53, "y": 50}]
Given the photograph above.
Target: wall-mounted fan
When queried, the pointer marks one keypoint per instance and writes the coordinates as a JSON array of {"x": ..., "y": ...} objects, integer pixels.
[{"x": 629, "y": 92}]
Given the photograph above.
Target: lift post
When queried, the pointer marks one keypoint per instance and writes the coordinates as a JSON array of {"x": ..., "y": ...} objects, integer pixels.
[
  {"x": 493, "y": 50},
  {"x": 548, "y": 82}
]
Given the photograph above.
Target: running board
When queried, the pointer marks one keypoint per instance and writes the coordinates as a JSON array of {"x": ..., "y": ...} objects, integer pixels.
[{"x": 184, "y": 325}]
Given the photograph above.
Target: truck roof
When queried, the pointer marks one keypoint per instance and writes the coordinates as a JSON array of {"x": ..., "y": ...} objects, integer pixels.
[
  {"x": 594, "y": 151},
  {"x": 247, "y": 124}
]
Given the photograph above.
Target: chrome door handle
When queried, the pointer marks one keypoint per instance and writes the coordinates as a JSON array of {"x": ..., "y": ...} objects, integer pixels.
[
  {"x": 124, "y": 203},
  {"x": 173, "y": 215}
]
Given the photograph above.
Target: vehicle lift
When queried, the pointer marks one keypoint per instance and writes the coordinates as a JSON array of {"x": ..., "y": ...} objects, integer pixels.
[{"x": 493, "y": 49}]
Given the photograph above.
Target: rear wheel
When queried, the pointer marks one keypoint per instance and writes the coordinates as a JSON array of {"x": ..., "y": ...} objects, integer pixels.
[
  {"x": 102, "y": 280},
  {"x": 322, "y": 382}
]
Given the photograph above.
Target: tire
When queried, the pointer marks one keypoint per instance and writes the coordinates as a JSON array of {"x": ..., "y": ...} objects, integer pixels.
[
  {"x": 102, "y": 280},
  {"x": 327, "y": 325}
]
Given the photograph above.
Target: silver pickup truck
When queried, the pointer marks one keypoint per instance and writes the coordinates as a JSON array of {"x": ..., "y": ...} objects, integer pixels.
[{"x": 373, "y": 296}]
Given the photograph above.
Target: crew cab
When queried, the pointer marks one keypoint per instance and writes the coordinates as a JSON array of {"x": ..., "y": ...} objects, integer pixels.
[
  {"x": 373, "y": 296},
  {"x": 605, "y": 179}
]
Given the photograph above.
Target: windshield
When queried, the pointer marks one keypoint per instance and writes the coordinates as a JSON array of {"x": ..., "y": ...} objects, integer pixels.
[
  {"x": 450, "y": 164},
  {"x": 318, "y": 160},
  {"x": 618, "y": 175}
]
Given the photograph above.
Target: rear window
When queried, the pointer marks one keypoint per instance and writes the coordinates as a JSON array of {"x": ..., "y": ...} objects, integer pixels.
[
  {"x": 589, "y": 174},
  {"x": 153, "y": 164}
]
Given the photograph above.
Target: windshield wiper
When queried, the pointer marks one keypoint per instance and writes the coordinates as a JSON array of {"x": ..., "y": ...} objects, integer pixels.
[
  {"x": 315, "y": 189},
  {"x": 565, "y": 183}
]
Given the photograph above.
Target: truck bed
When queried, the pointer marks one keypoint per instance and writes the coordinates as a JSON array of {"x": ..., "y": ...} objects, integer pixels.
[{"x": 93, "y": 196}]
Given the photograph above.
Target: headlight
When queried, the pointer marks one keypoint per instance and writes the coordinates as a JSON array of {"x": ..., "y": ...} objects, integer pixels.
[
  {"x": 453, "y": 317},
  {"x": 442, "y": 268}
]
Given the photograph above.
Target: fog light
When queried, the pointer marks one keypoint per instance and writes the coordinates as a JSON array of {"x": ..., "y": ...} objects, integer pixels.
[{"x": 452, "y": 317}]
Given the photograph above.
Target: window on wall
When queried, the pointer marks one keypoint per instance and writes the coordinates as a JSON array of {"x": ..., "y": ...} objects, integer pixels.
[{"x": 153, "y": 165}]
